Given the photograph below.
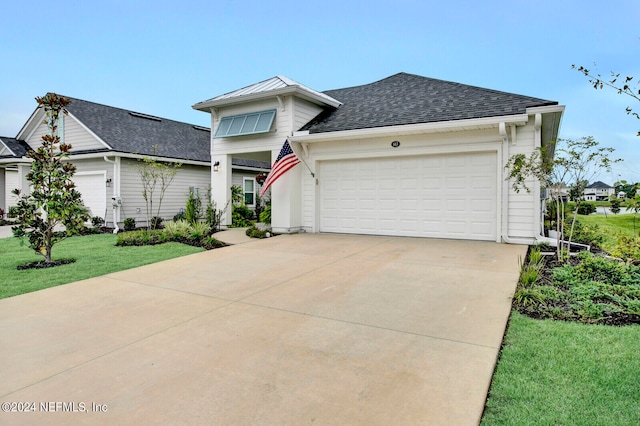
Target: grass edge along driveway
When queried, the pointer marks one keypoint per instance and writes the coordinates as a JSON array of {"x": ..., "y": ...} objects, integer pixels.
[
  {"x": 95, "y": 255},
  {"x": 557, "y": 372}
]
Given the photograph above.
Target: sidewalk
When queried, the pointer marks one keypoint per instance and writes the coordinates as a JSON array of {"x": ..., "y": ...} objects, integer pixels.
[
  {"x": 5, "y": 232},
  {"x": 233, "y": 236}
]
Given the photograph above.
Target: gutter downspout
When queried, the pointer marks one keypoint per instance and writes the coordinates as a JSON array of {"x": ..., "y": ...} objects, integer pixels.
[{"x": 116, "y": 190}]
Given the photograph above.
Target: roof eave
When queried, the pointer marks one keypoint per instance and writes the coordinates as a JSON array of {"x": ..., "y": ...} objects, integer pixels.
[
  {"x": 407, "y": 129},
  {"x": 295, "y": 90}
]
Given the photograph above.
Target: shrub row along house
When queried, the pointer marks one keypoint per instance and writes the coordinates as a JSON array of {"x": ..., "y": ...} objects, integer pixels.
[
  {"x": 107, "y": 145},
  {"x": 406, "y": 155}
]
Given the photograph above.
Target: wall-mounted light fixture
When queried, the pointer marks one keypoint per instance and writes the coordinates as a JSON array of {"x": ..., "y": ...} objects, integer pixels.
[
  {"x": 216, "y": 166},
  {"x": 109, "y": 183}
]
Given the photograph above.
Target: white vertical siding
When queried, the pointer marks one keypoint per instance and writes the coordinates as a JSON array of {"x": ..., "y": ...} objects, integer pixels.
[{"x": 308, "y": 202}]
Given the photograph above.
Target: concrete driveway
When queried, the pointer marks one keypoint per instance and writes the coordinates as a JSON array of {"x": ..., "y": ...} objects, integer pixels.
[{"x": 297, "y": 329}]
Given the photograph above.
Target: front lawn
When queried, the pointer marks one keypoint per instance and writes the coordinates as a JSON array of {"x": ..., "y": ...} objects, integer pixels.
[
  {"x": 564, "y": 373},
  {"x": 612, "y": 225},
  {"x": 95, "y": 255}
]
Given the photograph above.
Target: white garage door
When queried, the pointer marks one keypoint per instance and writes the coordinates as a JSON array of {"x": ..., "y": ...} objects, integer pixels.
[
  {"x": 438, "y": 196},
  {"x": 93, "y": 188}
]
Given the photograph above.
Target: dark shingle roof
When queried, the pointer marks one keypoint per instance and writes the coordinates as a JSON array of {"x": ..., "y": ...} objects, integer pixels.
[
  {"x": 411, "y": 99},
  {"x": 599, "y": 185},
  {"x": 19, "y": 148},
  {"x": 132, "y": 132}
]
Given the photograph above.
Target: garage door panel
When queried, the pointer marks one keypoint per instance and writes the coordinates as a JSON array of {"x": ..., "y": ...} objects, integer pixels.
[
  {"x": 443, "y": 196},
  {"x": 93, "y": 190}
]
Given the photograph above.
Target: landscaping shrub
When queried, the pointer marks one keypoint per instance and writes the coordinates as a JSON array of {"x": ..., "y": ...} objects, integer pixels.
[
  {"x": 241, "y": 216},
  {"x": 627, "y": 248},
  {"x": 193, "y": 209},
  {"x": 97, "y": 221},
  {"x": 265, "y": 215},
  {"x": 585, "y": 234},
  {"x": 178, "y": 229},
  {"x": 129, "y": 224},
  {"x": 156, "y": 222},
  {"x": 141, "y": 238},
  {"x": 586, "y": 208},
  {"x": 254, "y": 232},
  {"x": 199, "y": 230}
]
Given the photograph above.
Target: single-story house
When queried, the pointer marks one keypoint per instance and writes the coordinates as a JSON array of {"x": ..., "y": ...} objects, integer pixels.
[
  {"x": 406, "y": 155},
  {"x": 598, "y": 191},
  {"x": 107, "y": 145}
]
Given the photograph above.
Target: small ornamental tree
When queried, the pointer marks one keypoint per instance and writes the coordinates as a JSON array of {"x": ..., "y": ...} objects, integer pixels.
[
  {"x": 575, "y": 161},
  {"x": 53, "y": 199},
  {"x": 155, "y": 177}
]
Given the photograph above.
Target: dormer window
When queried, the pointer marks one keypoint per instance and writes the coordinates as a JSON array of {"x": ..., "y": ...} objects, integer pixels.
[{"x": 245, "y": 124}]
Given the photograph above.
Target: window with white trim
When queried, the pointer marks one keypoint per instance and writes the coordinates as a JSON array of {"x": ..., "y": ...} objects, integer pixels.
[
  {"x": 249, "y": 190},
  {"x": 245, "y": 124}
]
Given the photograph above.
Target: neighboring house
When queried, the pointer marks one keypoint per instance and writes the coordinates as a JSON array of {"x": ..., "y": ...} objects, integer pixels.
[
  {"x": 107, "y": 144},
  {"x": 598, "y": 191},
  {"x": 406, "y": 155}
]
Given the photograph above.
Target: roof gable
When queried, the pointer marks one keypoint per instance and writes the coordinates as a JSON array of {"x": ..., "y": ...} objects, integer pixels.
[
  {"x": 404, "y": 98},
  {"x": 278, "y": 85},
  {"x": 11, "y": 147},
  {"x": 599, "y": 185}
]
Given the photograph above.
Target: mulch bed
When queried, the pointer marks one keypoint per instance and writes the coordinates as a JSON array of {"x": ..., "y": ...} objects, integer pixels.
[
  {"x": 546, "y": 278},
  {"x": 41, "y": 264}
]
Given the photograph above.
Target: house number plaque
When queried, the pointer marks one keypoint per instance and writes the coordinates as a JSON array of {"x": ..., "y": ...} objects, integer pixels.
[{"x": 395, "y": 144}]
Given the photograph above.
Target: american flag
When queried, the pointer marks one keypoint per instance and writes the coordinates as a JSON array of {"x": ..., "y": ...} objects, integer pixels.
[{"x": 286, "y": 160}]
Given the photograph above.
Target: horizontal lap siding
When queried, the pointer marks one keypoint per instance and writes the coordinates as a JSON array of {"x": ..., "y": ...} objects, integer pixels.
[
  {"x": 79, "y": 138},
  {"x": 522, "y": 206},
  {"x": 175, "y": 197},
  {"x": 11, "y": 183}
]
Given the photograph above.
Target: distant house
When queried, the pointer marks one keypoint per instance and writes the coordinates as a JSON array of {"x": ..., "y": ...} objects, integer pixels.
[
  {"x": 107, "y": 144},
  {"x": 598, "y": 191},
  {"x": 406, "y": 155}
]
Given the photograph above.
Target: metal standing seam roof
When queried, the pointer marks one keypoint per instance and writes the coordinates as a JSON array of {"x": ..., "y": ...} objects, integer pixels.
[
  {"x": 137, "y": 133},
  {"x": 412, "y": 99},
  {"x": 270, "y": 85}
]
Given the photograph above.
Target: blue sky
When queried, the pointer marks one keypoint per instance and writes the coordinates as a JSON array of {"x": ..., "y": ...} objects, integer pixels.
[{"x": 160, "y": 57}]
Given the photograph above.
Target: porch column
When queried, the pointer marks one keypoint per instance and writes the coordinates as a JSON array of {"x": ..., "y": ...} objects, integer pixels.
[
  {"x": 286, "y": 200},
  {"x": 23, "y": 183}
]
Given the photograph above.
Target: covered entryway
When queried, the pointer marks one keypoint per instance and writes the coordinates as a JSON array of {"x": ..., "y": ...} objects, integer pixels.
[
  {"x": 437, "y": 196},
  {"x": 93, "y": 188}
]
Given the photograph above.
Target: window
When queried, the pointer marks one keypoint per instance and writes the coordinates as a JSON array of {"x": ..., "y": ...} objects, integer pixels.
[
  {"x": 245, "y": 124},
  {"x": 248, "y": 188}
]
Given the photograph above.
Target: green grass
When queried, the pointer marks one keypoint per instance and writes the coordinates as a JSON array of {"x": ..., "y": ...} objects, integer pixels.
[
  {"x": 95, "y": 254},
  {"x": 563, "y": 373},
  {"x": 612, "y": 225}
]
